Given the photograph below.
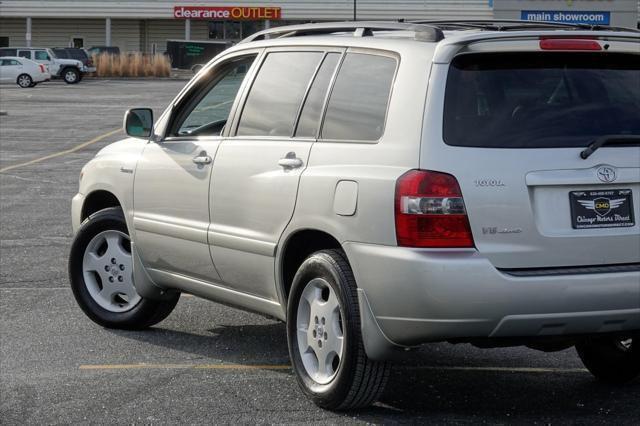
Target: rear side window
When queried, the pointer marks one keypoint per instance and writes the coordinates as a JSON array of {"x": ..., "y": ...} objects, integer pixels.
[
  {"x": 541, "y": 100},
  {"x": 357, "y": 107},
  {"x": 24, "y": 54},
  {"x": 8, "y": 52},
  {"x": 276, "y": 94}
]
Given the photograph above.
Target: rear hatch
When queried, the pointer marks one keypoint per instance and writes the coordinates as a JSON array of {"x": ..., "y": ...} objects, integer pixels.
[{"x": 514, "y": 125}]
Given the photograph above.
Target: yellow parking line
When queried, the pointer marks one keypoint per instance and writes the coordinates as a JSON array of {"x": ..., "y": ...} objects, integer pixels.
[
  {"x": 288, "y": 367},
  {"x": 58, "y": 154}
]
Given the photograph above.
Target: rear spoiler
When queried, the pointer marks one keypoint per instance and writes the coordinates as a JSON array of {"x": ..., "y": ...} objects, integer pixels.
[{"x": 527, "y": 41}]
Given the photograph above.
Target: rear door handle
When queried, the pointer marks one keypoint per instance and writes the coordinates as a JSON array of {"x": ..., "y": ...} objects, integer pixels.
[{"x": 290, "y": 161}]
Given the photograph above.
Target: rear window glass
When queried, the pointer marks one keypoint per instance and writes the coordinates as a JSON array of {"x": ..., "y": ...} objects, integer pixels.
[
  {"x": 358, "y": 105},
  {"x": 541, "y": 100}
]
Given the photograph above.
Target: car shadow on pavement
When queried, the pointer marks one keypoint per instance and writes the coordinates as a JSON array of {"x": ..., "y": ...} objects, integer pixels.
[
  {"x": 501, "y": 396},
  {"x": 260, "y": 344},
  {"x": 418, "y": 387}
]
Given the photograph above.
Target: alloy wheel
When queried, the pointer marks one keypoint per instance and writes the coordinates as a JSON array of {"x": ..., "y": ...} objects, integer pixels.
[
  {"x": 320, "y": 332},
  {"x": 107, "y": 268},
  {"x": 24, "y": 81}
]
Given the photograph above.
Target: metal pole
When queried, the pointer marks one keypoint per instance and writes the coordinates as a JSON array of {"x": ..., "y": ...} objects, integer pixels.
[
  {"x": 187, "y": 29},
  {"x": 107, "y": 32},
  {"x": 354, "y": 10},
  {"x": 27, "y": 36}
]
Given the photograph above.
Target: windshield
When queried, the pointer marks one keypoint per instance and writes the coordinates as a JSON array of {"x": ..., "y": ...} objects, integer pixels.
[{"x": 541, "y": 100}]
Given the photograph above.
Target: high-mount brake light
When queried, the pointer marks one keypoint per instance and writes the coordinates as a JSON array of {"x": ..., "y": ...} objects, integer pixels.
[
  {"x": 430, "y": 211},
  {"x": 569, "y": 44}
]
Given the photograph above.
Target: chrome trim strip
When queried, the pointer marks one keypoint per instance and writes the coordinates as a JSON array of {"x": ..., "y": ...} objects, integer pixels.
[
  {"x": 197, "y": 234},
  {"x": 243, "y": 244}
]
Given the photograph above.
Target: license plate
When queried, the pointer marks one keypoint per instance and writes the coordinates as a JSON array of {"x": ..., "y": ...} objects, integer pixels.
[{"x": 611, "y": 208}]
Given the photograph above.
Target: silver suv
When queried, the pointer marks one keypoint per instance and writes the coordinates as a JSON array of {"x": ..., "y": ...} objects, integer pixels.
[{"x": 382, "y": 185}]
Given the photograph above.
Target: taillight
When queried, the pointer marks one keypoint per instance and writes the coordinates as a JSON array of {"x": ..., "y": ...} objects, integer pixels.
[
  {"x": 569, "y": 44},
  {"x": 42, "y": 69},
  {"x": 430, "y": 211}
]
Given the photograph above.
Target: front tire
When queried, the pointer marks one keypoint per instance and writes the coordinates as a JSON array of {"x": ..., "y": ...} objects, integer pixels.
[
  {"x": 101, "y": 275},
  {"x": 611, "y": 360},
  {"x": 70, "y": 75},
  {"x": 24, "y": 81},
  {"x": 325, "y": 338}
]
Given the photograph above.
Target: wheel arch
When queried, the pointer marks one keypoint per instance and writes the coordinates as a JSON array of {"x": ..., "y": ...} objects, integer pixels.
[
  {"x": 98, "y": 200},
  {"x": 297, "y": 246},
  {"x": 21, "y": 74}
]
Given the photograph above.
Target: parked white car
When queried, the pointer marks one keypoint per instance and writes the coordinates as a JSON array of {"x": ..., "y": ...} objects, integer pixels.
[
  {"x": 380, "y": 185},
  {"x": 22, "y": 71}
]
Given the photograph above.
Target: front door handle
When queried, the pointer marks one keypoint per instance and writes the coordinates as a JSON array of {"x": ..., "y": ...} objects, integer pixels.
[
  {"x": 290, "y": 161},
  {"x": 202, "y": 159}
]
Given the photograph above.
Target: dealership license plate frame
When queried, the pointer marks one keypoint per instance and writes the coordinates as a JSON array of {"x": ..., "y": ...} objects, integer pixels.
[{"x": 602, "y": 208}]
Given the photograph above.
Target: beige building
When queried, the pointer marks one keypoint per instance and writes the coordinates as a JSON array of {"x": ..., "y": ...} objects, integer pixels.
[
  {"x": 146, "y": 25},
  {"x": 143, "y": 25}
]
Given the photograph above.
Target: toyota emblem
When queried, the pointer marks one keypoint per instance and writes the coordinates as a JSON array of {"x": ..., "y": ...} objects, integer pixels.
[{"x": 606, "y": 174}]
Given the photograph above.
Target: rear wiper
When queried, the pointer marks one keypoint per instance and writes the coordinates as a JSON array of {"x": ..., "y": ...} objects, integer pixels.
[{"x": 608, "y": 140}]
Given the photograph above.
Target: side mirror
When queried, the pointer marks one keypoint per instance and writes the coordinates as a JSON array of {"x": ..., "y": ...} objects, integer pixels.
[{"x": 138, "y": 122}]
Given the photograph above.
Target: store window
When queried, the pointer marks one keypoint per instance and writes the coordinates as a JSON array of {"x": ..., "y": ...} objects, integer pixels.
[
  {"x": 233, "y": 30},
  {"x": 4, "y": 41},
  {"x": 78, "y": 43},
  {"x": 237, "y": 30}
]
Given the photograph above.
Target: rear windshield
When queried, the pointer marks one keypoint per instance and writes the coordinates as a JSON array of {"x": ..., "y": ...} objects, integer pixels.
[{"x": 541, "y": 100}]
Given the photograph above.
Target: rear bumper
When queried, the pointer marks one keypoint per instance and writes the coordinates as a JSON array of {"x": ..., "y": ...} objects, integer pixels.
[{"x": 417, "y": 296}]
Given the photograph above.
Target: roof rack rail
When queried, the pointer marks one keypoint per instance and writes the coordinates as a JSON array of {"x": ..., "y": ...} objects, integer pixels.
[
  {"x": 514, "y": 25},
  {"x": 424, "y": 32}
]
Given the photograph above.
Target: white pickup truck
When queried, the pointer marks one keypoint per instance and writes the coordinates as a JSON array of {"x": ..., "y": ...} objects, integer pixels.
[{"x": 70, "y": 70}]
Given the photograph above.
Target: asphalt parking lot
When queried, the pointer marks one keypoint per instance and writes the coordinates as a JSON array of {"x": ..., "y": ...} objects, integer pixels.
[{"x": 206, "y": 363}]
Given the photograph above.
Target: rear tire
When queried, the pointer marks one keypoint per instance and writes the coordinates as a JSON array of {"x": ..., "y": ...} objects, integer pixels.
[
  {"x": 24, "y": 80},
  {"x": 325, "y": 338},
  {"x": 101, "y": 275},
  {"x": 70, "y": 75},
  {"x": 611, "y": 360}
]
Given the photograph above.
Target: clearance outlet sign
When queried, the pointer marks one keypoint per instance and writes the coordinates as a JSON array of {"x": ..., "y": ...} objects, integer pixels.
[{"x": 222, "y": 13}]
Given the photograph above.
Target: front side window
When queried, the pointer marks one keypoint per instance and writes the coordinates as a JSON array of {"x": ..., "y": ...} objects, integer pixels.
[
  {"x": 541, "y": 99},
  {"x": 357, "y": 107},
  {"x": 276, "y": 94},
  {"x": 208, "y": 111}
]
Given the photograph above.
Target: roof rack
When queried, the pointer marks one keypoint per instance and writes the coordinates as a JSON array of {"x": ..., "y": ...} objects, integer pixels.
[
  {"x": 515, "y": 25},
  {"x": 424, "y": 32}
]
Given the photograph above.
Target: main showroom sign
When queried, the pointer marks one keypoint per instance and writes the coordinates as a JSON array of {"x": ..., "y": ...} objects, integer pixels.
[{"x": 234, "y": 13}]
